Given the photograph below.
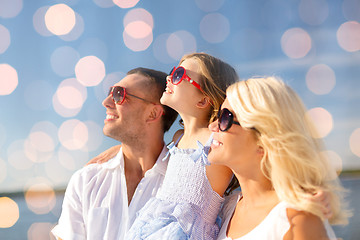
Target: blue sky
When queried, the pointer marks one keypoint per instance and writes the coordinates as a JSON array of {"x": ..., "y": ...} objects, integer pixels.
[{"x": 45, "y": 135}]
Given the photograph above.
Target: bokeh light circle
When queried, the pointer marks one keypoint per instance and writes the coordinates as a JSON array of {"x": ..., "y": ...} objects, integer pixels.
[
  {"x": 320, "y": 79},
  {"x": 40, "y": 198},
  {"x": 40, "y": 231},
  {"x": 138, "y": 29},
  {"x": 214, "y": 28},
  {"x": 77, "y": 30},
  {"x": 65, "y": 103},
  {"x": 138, "y": 26},
  {"x": 348, "y": 36},
  {"x": 355, "y": 142},
  {"x": 179, "y": 43},
  {"x": 10, "y": 8},
  {"x": 9, "y": 212},
  {"x": 322, "y": 120},
  {"x": 313, "y": 12},
  {"x": 139, "y": 14},
  {"x": 126, "y": 3},
  {"x": 5, "y": 39},
  {"x": 90, "y": 71},
  {"x": 60, "y": 19},
  {"x": 73, "y": 134},
  {"x": 160, "y": 50},
  {"x": 296, "y": 43},
  {"x": 8, "y": 79},
  {"x": 335, "y": 161},
  {"x": 39, "y": 22},
  {"x": 137, "y": 44}
]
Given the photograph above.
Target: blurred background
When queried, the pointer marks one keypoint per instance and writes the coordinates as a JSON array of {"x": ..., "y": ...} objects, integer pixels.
[{"x": 59, "y": 57}]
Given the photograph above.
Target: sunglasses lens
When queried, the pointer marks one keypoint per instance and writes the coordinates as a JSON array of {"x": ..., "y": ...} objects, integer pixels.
[
  {"x": 118, "y": 94},
  {"x": 177, "y": 75},
  {"x": 225, "y": 119}
]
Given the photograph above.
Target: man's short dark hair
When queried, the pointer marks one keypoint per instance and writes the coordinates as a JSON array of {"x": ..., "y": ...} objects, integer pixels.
[{"x": 156, "y": 87}]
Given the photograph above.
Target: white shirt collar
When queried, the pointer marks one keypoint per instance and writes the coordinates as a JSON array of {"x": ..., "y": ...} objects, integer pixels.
[{"x": 118, "y": 161}]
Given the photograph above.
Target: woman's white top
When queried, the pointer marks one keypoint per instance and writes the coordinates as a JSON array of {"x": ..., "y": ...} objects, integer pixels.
[{"x": 273, "y": 227}]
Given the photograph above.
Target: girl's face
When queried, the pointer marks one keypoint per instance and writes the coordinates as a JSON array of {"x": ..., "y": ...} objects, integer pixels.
[
  {"x": 235, "y": 147},
  {"x": 183, "y": 95}
]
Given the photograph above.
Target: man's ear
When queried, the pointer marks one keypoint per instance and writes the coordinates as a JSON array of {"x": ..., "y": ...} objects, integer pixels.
[
  {"x": 155, "y": 113},
  {"x": 204, "y": 102}
]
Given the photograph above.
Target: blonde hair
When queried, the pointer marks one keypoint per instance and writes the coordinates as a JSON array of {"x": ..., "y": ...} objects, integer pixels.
[
  {"x": 215, "y": 77},
  {"x": 293, "y": 160}
]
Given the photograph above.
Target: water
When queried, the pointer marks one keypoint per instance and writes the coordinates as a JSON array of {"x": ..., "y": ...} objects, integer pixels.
[{"x": 36, "y": 227}]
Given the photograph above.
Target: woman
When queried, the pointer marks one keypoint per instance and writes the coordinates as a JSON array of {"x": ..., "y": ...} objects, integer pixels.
[{"x": 263, "y": 135}]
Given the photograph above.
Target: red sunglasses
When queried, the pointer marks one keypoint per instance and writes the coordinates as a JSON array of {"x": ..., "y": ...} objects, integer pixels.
[
  {"x": 178, "y": 74},
  {"x": 118, "y": 95}
]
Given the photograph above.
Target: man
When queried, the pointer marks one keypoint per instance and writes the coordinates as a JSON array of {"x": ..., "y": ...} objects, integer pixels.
[{"x": 101, "y": 200}]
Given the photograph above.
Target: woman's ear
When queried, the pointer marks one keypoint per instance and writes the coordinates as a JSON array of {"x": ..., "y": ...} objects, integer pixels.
[
  {"x": 260, "y": 150},
  {"x": 155, "y": 114},
  {"x": 204, "y": 102}
]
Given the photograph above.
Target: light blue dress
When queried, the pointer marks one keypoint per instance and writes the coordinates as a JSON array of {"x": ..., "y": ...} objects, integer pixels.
[{"x": 185, "y": 207}]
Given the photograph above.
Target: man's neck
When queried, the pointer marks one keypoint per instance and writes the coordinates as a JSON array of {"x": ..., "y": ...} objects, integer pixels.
[{"x": 137, "y": 162}]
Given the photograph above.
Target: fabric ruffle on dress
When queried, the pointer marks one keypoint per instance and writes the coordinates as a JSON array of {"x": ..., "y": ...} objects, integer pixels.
[{"x": 185, "y": 207}]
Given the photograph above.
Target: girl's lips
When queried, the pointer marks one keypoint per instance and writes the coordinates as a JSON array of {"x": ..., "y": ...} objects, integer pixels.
[{"x": 168, "y": 90}]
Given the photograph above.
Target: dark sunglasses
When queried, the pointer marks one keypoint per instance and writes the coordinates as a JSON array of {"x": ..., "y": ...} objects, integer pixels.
[
  {"x": 178, "y": 74},
  {"x": 118, "y": 95},
  {"x": 225, "y": 119}
]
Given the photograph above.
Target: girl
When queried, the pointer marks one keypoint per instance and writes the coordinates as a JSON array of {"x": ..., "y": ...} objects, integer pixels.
[{"x": 187, "y": 205}]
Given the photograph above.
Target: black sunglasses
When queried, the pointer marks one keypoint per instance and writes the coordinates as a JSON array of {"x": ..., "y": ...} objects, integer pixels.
[
  {"x": 178, "y": 74},
  {"x": 119, "y": 93},
  {"x": 225, "y": 119}
]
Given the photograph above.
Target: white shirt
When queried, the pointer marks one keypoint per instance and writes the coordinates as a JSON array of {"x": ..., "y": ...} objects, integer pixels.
[
  {"x": 96, "y": 203},
  {"x": 274, "y": 226}
]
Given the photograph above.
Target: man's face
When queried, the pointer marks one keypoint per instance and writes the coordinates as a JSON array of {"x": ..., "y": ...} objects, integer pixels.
[{"x": 125, "y": 122}]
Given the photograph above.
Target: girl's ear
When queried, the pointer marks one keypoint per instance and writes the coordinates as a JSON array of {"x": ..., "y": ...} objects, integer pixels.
[
  {"x": 204, "y": 102},
  {"x": 155, "y": 114}
]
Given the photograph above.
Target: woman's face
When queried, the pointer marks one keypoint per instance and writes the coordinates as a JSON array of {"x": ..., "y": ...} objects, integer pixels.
[
  {"x": 236, "y": 147},
  {"x": 180, "y": 95}
]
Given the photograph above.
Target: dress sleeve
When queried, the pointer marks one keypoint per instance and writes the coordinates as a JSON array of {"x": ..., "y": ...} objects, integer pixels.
[{"x": 71, "y": 223}]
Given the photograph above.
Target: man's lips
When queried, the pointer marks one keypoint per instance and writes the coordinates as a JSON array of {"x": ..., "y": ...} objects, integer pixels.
[{"x": 111, "y": 116}]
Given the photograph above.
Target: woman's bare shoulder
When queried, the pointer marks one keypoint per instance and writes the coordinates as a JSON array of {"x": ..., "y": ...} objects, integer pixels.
[{"x": 304, "y": 225}]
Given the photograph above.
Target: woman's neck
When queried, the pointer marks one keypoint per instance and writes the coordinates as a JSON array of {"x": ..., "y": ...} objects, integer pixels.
[{"x": 256, "y": 190}]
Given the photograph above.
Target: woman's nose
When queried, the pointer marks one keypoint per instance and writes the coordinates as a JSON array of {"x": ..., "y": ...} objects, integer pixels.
[{"x": 214, "y": 126}]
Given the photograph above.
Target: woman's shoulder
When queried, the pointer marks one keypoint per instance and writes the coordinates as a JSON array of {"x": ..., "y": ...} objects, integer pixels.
[{"x": 304, "y": 225}]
